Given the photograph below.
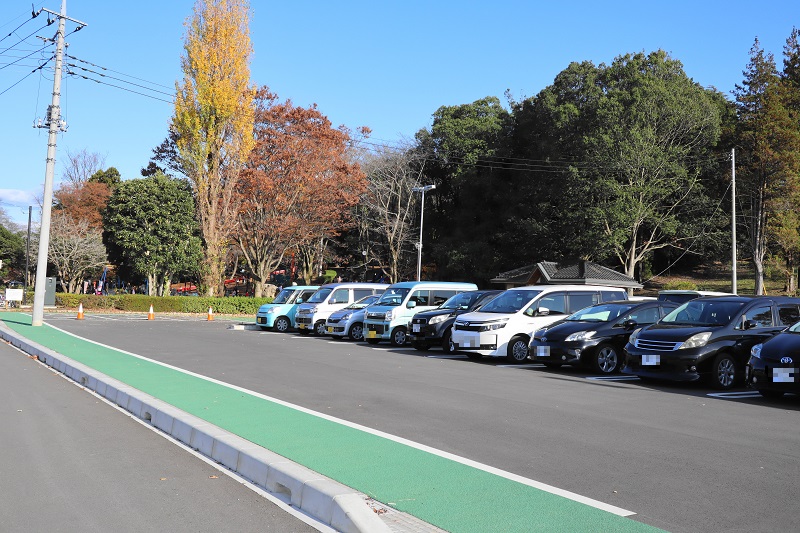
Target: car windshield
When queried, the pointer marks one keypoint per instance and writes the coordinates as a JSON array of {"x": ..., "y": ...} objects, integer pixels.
[
  {"x": 511, "y": 301},
  {"x": 319, "y": 296},
  {"x": 393, "y": 297},
  {"x": 461, "y": 301},
  {"x": 704, "y": 313},
  {"x": 795, "y": 328},
  {"x": 601, "y": 313},
  {"x": 363, "y": 302},
  {"x": 285, "y": 296}
]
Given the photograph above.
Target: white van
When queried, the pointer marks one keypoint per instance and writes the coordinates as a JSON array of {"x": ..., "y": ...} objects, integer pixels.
[
  {"x": 312, "y": 314},
  {"x": 389, "y": 317},
  {"x": 504, "y": 326}
]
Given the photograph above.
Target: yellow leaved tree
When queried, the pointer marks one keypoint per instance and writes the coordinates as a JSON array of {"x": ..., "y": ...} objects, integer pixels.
[{"x": 213, "y": 121}]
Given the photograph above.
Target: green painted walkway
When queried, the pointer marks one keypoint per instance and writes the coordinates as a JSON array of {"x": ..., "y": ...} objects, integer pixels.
[{"x": 450, "y": 495}]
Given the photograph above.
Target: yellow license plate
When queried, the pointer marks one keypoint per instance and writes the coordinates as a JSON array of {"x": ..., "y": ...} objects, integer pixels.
[
  {"x": 301, "y": 326},
  {"x": 372, "y": 334},
  {"x": 330, "y": 329}
]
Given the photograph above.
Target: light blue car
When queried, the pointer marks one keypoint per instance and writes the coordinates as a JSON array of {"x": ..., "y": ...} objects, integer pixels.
[
  {"x": 279, "y": 315},
  {"x": 349, "y": 322}
]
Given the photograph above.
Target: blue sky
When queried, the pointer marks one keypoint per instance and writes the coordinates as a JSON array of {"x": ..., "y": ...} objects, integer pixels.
[{"x": 387, "y": 65}]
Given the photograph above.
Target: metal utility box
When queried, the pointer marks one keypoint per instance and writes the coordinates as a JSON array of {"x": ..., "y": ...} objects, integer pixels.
[{"x": 50, "y": 292}]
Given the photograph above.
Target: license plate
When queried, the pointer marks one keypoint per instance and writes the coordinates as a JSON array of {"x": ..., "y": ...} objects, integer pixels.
[
  {"x": 783, "y": 375},
  {"x": 261, "y": 320},
  {"x": 301, "y": 326},
  {"x": 329, "y": 329},
  {"x": 652, "y": 359},
  {"x": 415, "y": 328},
  {"x": 371, "y": 334},
  {"x": 542, "y": 351}
]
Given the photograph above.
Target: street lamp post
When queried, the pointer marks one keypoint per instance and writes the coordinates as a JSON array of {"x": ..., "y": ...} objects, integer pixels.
[{"x": 423, "y": 190}]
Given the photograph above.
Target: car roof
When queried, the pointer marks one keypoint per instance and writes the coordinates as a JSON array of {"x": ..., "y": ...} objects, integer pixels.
[{"x": 567, "y": 288}]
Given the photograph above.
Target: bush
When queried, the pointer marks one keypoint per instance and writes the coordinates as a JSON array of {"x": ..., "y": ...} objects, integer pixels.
[
  {"x": 237, "y": 305},
  {"x": 680, "y": 285}
]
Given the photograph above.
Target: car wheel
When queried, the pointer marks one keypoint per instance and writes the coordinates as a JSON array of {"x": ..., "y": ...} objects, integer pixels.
[
  {"x": 421, "y": 346},
  {"x": 373, "y": 341},
  {"x": 356, "y": 332},
  {"x": 319, "y": 328},
  {"x": 448, "y": 346},
  {"x": 398, "y": 336},
  {"x": 282, "y": 324},
  {"x": 517, "y": 349},
  {"x": 723, "y": 373},
  {"x": 606, "y": 359},
  {"x": 770, "y": 393}
]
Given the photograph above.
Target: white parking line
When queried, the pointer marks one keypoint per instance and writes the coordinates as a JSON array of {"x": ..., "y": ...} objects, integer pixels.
[{"x": 734, "y": 395}]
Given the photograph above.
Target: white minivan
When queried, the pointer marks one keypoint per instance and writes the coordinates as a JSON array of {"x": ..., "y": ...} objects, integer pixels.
[
  {"x": 503, "y": 327},
  {"x": 312, "y": 314}
]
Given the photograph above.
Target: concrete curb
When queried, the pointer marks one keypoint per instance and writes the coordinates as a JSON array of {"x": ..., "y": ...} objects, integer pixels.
[{"x": 329, "y": 501}]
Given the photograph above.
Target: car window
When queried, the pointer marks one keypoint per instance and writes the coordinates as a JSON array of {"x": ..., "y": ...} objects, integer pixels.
[
  {"x": 665, "y": 310},
  {"x": 761, "y": 315},
  {"x": 318, "y": 296},
  {"x": 555, "y": 302},
  {"x": 648, "y": 315},
  {"x": 510, "y": 301},
  {"x": 361, "y": 293},
  {"x": 704, "y": 313},
  {"x": 306, "y": 295},
  {"x": 608, "y": 296},
  {"x": 439, "y": 297},
  {"x": 421, "y": 297},
  {"x": 579, "y": 300},
  {"x": 788, "y": 314},
  {"x": 340, "y": 296}
]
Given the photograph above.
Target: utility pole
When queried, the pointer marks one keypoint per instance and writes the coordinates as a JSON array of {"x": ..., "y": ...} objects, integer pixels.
[
  {"x": 733, "y": 221},
  {"x": 27, "y": 259},
  {"x": 54, "y": 123}
]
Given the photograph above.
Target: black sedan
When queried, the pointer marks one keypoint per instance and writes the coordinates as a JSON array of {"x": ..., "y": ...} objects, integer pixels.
[
  {"x": 774, "y": 366},
  {"x": 595, "y": 336},
  {"x": 434, "y": 328}
]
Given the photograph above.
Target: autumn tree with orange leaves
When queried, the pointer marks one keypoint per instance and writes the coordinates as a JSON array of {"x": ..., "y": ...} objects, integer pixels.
[
  {"x": 213, "y": 122},
  {"x": 299, "y": 185}
]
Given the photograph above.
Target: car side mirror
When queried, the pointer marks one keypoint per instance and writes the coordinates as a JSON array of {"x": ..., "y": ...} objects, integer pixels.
[
  {"x": 630, "y": 324},
  {"x": 750, "y": 324},
  {"x": 411, "y": 303},
  {"x": 542, "y": 311},
  {"x": 299, "y": 301}
]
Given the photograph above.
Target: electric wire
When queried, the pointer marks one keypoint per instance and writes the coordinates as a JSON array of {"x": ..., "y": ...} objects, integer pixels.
[
  {"x": 40, "y": 67},
  {"x": 26, "y": 57},
  {"x": 117, "y": 79},
  {"x": 35, "y": 14},
  {"x": 76, "y": 75},
  {"x": 26, "y": 37},
  {"x": 118, "y": 72}
]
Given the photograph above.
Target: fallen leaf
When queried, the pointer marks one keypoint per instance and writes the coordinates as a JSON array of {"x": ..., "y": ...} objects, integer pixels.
[
  {"x": 213, "y": 477},
  {"x": 163, "y": 479}
]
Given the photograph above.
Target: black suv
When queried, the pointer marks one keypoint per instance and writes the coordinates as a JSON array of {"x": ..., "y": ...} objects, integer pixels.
[
  {"x": 709, "y": 337},
  {"x": 434, "y": 327}
]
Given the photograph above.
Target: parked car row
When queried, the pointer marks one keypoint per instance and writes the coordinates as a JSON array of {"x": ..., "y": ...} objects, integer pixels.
[{"x": 680, "y": 336}]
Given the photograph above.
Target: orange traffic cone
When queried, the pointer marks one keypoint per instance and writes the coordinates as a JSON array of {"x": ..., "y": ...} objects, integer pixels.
[
  {"x": 80, "y": 312},
  {"x": 151, "y": 315},
  {"x": 210, "y": 314}
]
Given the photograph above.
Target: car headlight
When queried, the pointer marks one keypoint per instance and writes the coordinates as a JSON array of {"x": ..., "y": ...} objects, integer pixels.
[
  {"x": 311, "y": 310},
  {"x": 346, "y": 316},
  {"x": 634, "y": 336},
  {"x": 696, "y": 341},
  {"x": 271, "y": 310},
  {"x": 491, "y": 326},
  {"x": 389, "y": 315},
  {"x": 580, "y": 336},
  {"x": 437, "y": 319},
  {"x": 755, "y": 351}
]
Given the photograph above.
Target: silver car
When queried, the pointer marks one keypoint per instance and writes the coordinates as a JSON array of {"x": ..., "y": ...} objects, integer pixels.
[{"x": 349, "y": 322}]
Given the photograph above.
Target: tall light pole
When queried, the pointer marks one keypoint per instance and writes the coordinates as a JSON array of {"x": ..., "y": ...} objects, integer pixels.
[{"x": 423, "y": 190}]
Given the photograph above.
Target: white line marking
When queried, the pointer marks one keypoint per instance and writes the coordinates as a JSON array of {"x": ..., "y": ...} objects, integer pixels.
[
  {"x": 416, "y": 445},
  {"x": 734, "y": 395}
]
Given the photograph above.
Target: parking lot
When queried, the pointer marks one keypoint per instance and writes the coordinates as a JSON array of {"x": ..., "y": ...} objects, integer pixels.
[{"x": 683, "y": 458}]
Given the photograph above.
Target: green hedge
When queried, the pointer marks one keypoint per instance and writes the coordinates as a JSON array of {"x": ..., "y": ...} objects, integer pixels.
[
  {"x": 232, "y": 305},
  {"x": 680, "y": 286}
]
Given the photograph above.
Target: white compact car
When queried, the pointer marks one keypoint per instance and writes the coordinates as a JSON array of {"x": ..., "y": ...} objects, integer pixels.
[
  {"x": 349, "y": 322},
  {"x": 504, "y": 326}
]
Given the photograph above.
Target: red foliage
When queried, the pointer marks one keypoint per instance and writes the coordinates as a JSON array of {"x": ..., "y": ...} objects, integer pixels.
[{"x": 84, "y": 201}]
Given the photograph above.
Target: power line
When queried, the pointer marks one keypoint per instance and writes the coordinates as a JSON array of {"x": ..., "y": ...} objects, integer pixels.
[
  {"x": 40, "y": 67},
  {"x": 117, "y": 79},
  {"x": 35, "y": 14},
  {"x": 120, "y": 73},
  {"x": 26, "y": 37},
  {"x": 74, "y": 74},
  {"x": 26, "y": 57}
]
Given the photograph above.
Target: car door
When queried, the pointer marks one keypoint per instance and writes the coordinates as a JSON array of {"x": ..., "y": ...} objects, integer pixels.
[{"x": 760, "y": 315}]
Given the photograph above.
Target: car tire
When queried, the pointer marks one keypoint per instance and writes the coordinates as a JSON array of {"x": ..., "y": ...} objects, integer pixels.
[
  {"x": 606, "y": 359},
  {"x": 398, "y": 336},
  {"x": 447, "y": 342},
  {"x": 319, "y": 328},
  {"x": 771, "y": 394},
  {"x": 517, "y": 349},
  {"x": 372, "y": 341},
  {"x": 356, "y": 332},
  {"x": 723, "y": 372},
  {"x": 281, "y": 324},
  {"x": 421, "y": 346}
]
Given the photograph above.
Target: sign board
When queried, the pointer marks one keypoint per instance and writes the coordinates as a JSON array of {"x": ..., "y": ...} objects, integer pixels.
[{"x": 13, "y": 295}]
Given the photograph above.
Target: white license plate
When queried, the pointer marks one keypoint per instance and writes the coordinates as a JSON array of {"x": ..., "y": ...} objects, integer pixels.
[
  {"x": 415, "y": 328},
  {"x": 542, "y": 351},
  {"x": 651, "y": 359},
  {"x": 783, "y": 375}
]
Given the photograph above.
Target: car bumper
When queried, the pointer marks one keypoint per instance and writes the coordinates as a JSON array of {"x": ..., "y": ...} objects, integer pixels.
[
  {"x": 563, "y": 353},
  {"x": 675, "y": 365},
  {"x": 265, "y": 320},
  {"x": 377, "y": 330},
  {"x": 773, "y": 376},
  {"x": 483, "y": 342},
  {"x": 427, "y": 333}
]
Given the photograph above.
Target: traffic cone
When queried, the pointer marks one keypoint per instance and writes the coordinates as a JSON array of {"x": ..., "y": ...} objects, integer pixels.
[
  {"x": 151, "y": 315},
  {"x": 80, "y": 312},
  {"x": 210, "y": 314}
]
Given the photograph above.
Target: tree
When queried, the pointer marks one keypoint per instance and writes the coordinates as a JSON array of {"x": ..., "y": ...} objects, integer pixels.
[
  {"x": 12, "y": 245},
  {"x": 111, "y": 177},
  {"x": 149, "y": 224},
  {"x": 83, "y": 201},
  {"x": 213, "y": 121},
  {"x": 80, "y": 166},
  {"x": 298, "y": 188},
  {"x": 770, "y": 140},
  {"x": 76, "y": 250}
]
